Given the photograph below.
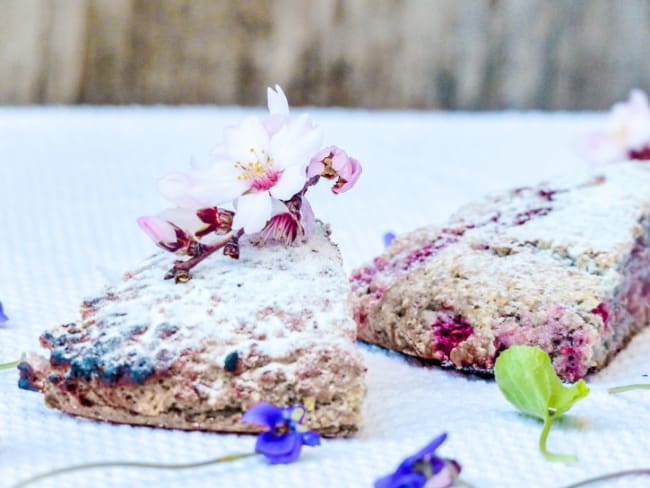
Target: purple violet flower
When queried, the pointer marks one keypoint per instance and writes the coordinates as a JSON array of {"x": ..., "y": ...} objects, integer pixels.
[
  {"x": 423, "y": 470},
  {"x": 282, "y": 443},
  {"x": 3, "y": 317},
  {"x": 388, "y": 238}
]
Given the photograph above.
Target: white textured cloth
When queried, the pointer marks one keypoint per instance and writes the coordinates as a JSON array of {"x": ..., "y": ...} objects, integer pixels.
[{"x": 73, "y": 181}]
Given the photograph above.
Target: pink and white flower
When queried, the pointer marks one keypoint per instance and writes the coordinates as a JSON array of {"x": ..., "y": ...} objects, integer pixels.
[
  {"x": 627, "y": 132},
  {"x": 165, "y": 234},
  {"x": 263, "y": 169},
  {"x": 175, "y": 229},
  {"x": 278, "y": 110},
  {"x": 288, "y": 227},
  {"x": 333, "y": 162},
  {"x": 258, "y": 161}
]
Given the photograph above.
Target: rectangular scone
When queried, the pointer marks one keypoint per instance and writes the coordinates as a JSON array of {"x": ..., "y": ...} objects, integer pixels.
[
  {"x": 564, "y": 266},
  {"x": 274, "y": 326}
]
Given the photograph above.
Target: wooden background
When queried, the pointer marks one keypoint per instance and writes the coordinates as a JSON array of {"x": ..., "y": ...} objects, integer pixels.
[{"x": 459, "y": 54}]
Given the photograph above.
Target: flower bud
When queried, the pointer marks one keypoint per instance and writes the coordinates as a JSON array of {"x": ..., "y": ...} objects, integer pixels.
[
  {"x": 333, "y": 162},
  {"x": 165, "y": 234},
  {"x": 216, "y": 219}
]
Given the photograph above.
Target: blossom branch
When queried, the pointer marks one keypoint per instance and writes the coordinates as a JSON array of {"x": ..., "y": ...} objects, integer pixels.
[{"x": 180, "y": 272}]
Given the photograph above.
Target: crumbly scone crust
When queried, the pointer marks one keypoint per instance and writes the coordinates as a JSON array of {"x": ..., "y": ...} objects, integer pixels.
[
  {"x": 564, "y": 265},
  {"x": 274, "y": 326}
]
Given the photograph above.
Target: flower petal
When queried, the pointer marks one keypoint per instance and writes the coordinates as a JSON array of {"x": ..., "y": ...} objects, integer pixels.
[
  {"x": 263, "y": 414},
  {"x": 601, "y": 149},
  {"x": 185, "y": 218},
  {"x": 405, "y": 480},
  {"x": 203, "y": 187},
  {"x": 243, "y": 142},
  {"x": 273, "y": 123},
  {"x": 308, "y": 218},
  {"x": 277, "y": 101},
  {"x": 311, "y": 438},
  {"x": 176, "y": 187},
  {"x": 389, "y": 237},
  {"x": 295, "y": 143},
  {"x": 353, "y": 171},
  {"x": 627, "y": 130},
  {"x": 279, "y": 449},
  {"x": 253, "y": 211},
  {"x": 428, "y": 450},
  {"x": 3, "y": 317},
  {"x": 158, "y": 229},
  {"x": 315, "y": 168},
  {"x": 443, "y": 478},
  {"x": 291, "y": 181}
]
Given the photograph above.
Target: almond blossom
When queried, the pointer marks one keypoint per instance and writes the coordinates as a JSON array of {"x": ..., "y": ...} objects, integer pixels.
[
  {"x": 262, "y": 170},
  {"x": 287, "y": 225},
  {"x": 626, "y": 134},
  {"x": 176, "y": 229},
  {"x": 258, "y": 160}
]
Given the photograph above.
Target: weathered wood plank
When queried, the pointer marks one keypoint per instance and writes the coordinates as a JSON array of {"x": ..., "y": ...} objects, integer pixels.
[{"x": 467, "y": 54}]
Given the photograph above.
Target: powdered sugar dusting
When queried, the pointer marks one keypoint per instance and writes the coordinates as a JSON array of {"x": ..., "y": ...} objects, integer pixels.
[
  {"x": 540, "y": 265},
  {"x": 590, "y": 221},
  {"x": 272, "y": 303}
]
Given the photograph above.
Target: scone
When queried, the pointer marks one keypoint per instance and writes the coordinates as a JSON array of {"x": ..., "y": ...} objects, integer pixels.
[
  {"x": 564, "y": 266},
  {"x": 273, "y": 326}
]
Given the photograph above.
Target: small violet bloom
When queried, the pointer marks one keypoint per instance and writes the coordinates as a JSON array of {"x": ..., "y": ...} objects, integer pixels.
[
  {"x": 333, "y": 162},
  {"x": 626, "y": 134},
  {"x": 389, "y": 237},
  {"x": 3, "y": 317},
  {"x": 282, "y": 443},
  {"x": 423, "y": 470},
  {"x": 259, "y": 160}
]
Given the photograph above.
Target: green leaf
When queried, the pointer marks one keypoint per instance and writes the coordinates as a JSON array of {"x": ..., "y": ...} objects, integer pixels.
[
  {"x": 527, "y": 379},
  {"x": 564, "y": 397}
]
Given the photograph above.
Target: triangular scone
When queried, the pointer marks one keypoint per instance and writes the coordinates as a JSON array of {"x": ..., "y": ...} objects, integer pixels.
[
  {"x": 273, "y": 326},
  {"x": 564, "y": 266}
]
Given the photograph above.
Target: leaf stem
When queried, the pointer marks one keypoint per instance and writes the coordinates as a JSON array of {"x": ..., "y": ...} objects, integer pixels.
[
  {"x": 610, "y": 476},
  {"x": 124, "y": 464},
  {"x": 623, "y": 389},
  {"x": 565, "y": 458}
]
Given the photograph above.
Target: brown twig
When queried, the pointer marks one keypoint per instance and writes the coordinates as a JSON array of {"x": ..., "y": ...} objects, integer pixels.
[{"x": 180, "y": 272}]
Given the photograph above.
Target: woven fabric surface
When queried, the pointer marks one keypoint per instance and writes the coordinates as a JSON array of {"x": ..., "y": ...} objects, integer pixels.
[{"x": 73, "y": 181}]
